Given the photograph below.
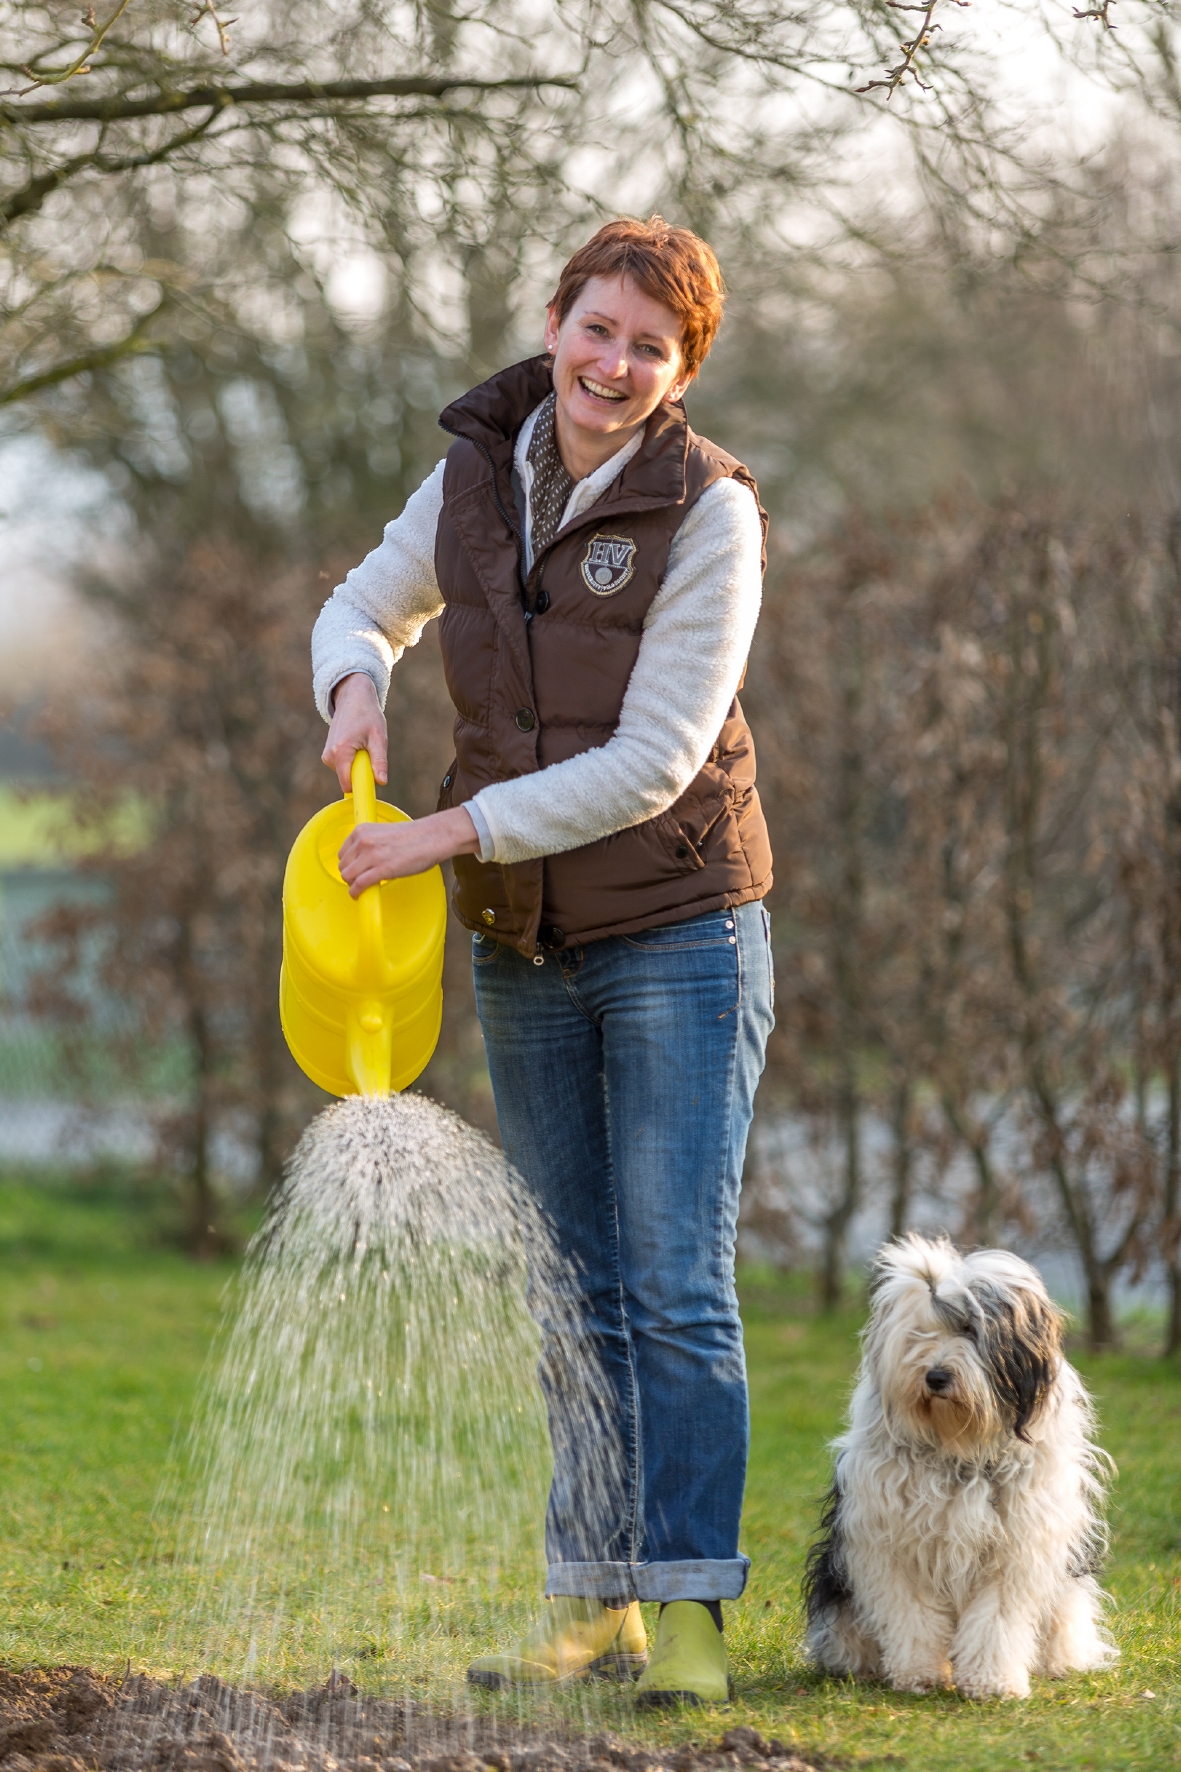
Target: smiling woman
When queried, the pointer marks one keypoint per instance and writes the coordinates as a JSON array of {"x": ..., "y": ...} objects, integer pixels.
[
  {"x": 617, "y": 351},
  {"x": 597, "y": 568}
]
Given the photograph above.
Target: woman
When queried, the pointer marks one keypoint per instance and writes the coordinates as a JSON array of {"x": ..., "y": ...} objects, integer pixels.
[{"x": 597, "y": 570}]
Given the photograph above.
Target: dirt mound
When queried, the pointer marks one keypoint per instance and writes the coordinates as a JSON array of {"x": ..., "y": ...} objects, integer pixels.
[{"x": 67, "y": 1719}]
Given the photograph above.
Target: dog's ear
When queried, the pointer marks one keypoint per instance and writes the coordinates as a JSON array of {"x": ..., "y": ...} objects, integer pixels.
[{"x": 1020, "y": 1338}]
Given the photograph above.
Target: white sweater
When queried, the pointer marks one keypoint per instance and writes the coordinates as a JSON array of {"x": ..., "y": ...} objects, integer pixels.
[{"x": 697, "y": 634}]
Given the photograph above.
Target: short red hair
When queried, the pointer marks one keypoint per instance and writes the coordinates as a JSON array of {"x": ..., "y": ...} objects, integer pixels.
[{"x": 670, "y": 264}]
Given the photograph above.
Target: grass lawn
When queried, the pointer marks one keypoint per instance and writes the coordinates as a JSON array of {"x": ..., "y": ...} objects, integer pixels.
[{"x": 103, "y": 1338}]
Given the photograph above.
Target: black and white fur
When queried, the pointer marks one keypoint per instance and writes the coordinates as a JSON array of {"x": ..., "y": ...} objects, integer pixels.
[{"x": 960, "y": 1537}]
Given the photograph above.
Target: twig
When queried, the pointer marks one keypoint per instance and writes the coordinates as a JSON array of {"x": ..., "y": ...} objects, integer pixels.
[
  {"x": 220, "y": 25},
  {"x": 1102, "y": 12},
  {"x": 910, "y": 51},
  {"x": 81, "y": 65}
]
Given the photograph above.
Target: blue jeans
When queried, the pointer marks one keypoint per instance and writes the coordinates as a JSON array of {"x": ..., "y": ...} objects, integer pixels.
[{"x": 624, "y": 1075}]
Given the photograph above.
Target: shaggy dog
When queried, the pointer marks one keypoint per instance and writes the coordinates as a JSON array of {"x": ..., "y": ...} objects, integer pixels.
[{"x": 961, "y": 1536}]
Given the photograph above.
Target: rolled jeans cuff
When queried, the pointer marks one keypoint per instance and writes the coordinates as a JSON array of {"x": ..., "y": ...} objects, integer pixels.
[{"x": 705, "y": 1578}]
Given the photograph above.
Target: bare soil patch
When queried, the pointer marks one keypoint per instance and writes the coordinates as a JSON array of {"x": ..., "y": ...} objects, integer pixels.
[{"x": 68, "y": 1719}]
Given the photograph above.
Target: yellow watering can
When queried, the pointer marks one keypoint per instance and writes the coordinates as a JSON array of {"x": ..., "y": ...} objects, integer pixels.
[{"x": 361, "y": 991}]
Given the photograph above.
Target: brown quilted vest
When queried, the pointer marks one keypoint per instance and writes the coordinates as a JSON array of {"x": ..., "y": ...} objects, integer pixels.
[{"x": 537, "y": 671}]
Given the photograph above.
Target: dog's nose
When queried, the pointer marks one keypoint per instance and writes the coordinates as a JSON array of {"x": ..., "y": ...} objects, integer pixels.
[{"x": 939, "y": 1379}]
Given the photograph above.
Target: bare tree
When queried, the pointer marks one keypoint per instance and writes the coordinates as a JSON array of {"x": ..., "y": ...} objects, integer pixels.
[
  {"x": 1143, "y": 569},
  {"x": 818, "y": 694},
  {"x": 199, "y": 722}
]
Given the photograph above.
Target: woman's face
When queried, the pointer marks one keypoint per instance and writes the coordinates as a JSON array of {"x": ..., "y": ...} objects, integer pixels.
[{"x": 617, "y": 355}]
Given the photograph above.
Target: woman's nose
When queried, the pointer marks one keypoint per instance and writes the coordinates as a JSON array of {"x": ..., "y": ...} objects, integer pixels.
[{"x": 613, "y": 363}]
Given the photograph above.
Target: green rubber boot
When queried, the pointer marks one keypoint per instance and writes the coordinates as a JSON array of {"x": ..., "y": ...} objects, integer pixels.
[
  {"x": 689, "y": 1664},
  {"x": 570, "y": 1641}
]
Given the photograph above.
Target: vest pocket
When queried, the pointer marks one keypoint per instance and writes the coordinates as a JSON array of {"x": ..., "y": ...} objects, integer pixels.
[
  {"x": 678, "y": 843},
  {"x": 685, "y": 828}
]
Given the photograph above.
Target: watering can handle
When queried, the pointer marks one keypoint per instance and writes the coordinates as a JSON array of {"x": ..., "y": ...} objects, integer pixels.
[{"x": 372, "y": 965}]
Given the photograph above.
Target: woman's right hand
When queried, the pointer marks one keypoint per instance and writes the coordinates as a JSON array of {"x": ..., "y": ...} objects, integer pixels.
[{"x": 358, "y": 724}]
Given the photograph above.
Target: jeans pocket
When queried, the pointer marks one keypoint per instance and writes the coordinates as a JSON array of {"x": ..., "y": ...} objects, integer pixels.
[
  {"x": 485, "y": 948},
  {"x": 714, "y": 929}
]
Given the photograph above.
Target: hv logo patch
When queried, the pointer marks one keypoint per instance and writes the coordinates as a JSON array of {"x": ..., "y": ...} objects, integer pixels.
[{"x": 608, "y": 564}]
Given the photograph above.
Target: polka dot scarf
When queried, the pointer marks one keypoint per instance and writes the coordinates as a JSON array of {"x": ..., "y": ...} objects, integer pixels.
[{"x": 552, "y": 485}]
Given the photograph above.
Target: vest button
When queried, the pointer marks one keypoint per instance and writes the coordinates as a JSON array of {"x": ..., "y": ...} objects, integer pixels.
[
  {"x": 526, "y": 719},
  {"x": 542, "y": 602},
  {"x": 682, "y": 852},
  {"x": 550, "y": 936},
  {"x": 488, "y": 916}
]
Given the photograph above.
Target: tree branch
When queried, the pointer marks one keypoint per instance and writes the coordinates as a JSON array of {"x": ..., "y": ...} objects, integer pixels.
[
  {"x": 134, "y": 344},
  {"x": 262, "y": 92},
  {"x": 30, "y": 197}
]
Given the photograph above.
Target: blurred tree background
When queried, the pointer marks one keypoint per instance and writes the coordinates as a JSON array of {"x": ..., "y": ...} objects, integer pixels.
[{"x": 246, "y": 264}]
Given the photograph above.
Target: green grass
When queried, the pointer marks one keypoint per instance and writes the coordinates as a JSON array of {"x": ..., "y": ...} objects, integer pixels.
[
  {"x": 39, "y": 829},
  {"x": 101, "y": 1342},
  {"x": 104, "y": 1334},
  {"x": 39, "y": 1062}
]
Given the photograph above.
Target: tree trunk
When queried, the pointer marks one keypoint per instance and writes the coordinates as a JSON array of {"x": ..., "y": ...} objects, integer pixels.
[
  {"x": 1101, "y": 1332},
  {"x": 986, "y": 1205},
  {"x": 903, "y": 1154},
  {"x": 1172, "y": 1208},
  {"x": 270, "y": 1068},
  {"x": 836, "y": 1225},
  {"x": 1173, "y": 1327},
  {"x": 204, "y": 1238},
  {"x": 848, "y": 930},
  {"x": 981, "y": 1227},
  {"x": 1097, "y": 1273}
]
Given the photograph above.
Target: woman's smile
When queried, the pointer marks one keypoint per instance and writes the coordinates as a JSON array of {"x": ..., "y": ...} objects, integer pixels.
[{"x": 597, "y": 390}]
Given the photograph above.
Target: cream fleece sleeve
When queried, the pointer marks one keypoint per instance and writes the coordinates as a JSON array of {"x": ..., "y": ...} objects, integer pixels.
[
  {"x": 697, "y": 634},
  {"x": 384, "y": 603}
]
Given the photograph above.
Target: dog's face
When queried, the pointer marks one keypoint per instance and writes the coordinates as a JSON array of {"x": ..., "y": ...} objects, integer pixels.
[{"x": 963, "y": 1350}]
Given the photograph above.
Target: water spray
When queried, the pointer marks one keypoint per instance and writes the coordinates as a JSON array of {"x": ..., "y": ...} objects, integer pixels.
[{"x": 362, "y": 1496}]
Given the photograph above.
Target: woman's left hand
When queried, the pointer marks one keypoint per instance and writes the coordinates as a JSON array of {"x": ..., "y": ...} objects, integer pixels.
[{"x": 373, "y": 852}]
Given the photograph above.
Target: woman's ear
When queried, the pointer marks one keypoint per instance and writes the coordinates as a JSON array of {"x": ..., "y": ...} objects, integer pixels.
[
  {"x": 678, "y": 389},
  {"x": 551, "y": 331}
]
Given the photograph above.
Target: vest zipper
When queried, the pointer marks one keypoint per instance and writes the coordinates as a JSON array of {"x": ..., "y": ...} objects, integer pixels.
[{"x": 511, "y": 526}]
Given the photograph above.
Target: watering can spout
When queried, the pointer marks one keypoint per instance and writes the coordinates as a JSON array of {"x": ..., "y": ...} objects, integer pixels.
[{"x": 360, "y": 993}]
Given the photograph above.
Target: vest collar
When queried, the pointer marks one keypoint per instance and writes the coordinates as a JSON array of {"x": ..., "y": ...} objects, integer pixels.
[{"x": 491, "y": 415}]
